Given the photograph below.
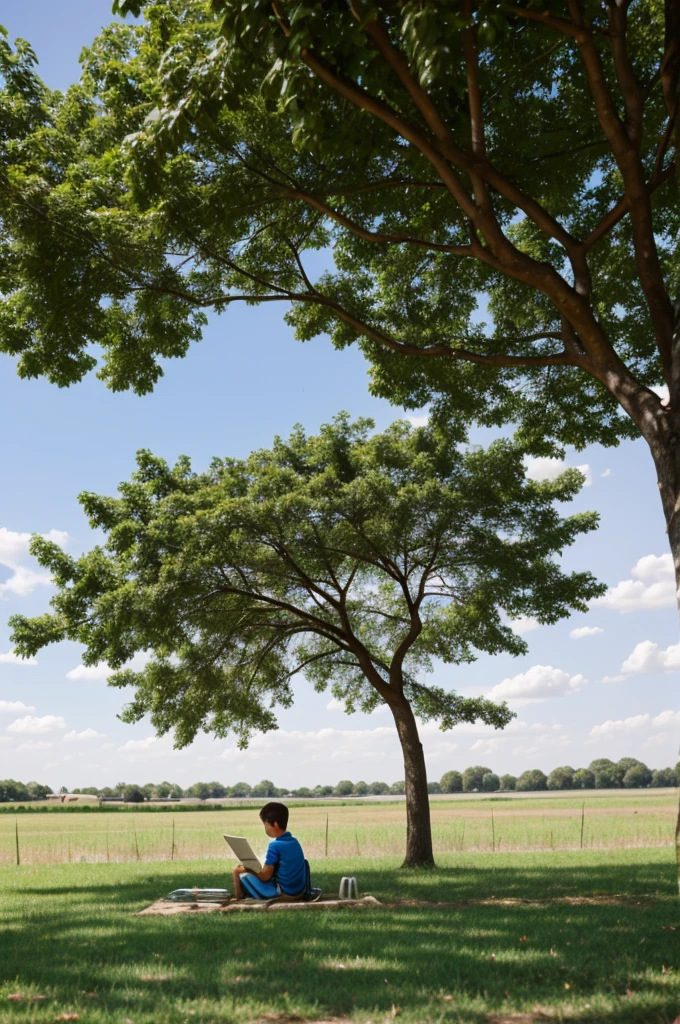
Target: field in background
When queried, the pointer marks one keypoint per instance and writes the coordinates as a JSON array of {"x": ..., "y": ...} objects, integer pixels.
[
  {"x": 591, "y": 821},
  {"x": 584, "y": 936}
]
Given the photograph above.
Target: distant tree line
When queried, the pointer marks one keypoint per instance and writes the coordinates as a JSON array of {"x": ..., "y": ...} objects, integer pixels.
[
  {"x": 13, "y": 791},
  {"x": 628, "y": 773}
]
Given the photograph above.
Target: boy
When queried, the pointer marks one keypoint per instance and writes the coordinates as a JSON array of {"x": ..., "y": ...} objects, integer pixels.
[{"x": 285, "y": 868}]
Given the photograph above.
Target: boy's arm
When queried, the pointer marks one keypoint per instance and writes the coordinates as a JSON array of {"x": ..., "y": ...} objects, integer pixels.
[{"x": 264, "y": 875}]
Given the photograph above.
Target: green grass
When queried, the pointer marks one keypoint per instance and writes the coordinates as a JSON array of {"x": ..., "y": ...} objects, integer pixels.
[
  {"x": 69, "y": 933},
  {"x": 459, "y": 826}
]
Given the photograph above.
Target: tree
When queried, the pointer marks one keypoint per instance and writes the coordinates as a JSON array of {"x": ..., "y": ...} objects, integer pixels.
[
  {"x": 491, "y": 783},
  {"x": 523, "y": 154},
  {"x": 607, "y": 774},
  {"x": 561, "y": 778},
  {"x": 266, "y": 788},
  {"x": 584, "y": 779},
  {"x": 323, "y": 791},
  {"x": 37, "y": 791},
  {"x": 451, "y": 782},
  {"x": 508, "y": 783},
  {"x": 360, "y": 789},
  {"x": 664, "y": 777},
  {"x": 398, "y": 788},
  {"x": 163, "y": 790},
  {"x": 240, "y": 789},
  {"x": 344, "y": 788},
  {"x": 638, "y": 776},
  {"x": 303, "y": 792},
  {"x": 378, "y": 789},
  {"x": 354, "y": 557},
  {"x": 472, "y": 778},
  {"x": 132, "y": 795},
  {"x": 433, "y": 787},
  {"x": 531, "y": 780},
  {"x": 199, "y": 791}
]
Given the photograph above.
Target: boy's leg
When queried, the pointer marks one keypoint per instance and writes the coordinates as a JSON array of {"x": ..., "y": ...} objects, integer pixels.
[{"x": 238, "y": 891}]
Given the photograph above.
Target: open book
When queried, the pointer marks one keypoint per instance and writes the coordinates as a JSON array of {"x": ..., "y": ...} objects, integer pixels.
[{"x": 243, "y": 851}]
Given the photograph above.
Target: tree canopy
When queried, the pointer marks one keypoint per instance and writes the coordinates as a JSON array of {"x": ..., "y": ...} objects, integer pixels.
[
  {"x": 354, "y": 558},
  {"x": 522, "y": 152}
]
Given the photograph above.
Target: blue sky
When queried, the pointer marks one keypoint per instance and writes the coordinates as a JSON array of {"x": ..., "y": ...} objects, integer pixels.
[{"x": 609, "y": 693}]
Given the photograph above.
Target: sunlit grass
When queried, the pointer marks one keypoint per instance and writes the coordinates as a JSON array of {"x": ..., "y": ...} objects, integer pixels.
[{"x": 591, "y": 822}]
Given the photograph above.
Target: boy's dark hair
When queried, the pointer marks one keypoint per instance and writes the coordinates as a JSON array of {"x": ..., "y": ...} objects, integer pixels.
[{"x": 275, "y": 814}]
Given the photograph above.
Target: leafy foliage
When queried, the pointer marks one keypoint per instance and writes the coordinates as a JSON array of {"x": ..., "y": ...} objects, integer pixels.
[
  {"x": 354, "y": 558},
  {"x": 494, "y": 183}
]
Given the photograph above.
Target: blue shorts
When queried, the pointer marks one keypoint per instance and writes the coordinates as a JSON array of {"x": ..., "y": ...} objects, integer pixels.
[{"x": 252, "y": 886}]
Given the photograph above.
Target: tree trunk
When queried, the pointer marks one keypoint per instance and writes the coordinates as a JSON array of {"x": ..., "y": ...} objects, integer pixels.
[
  {"x": 666, "y": 454},
  {"x": 418, "y": 828}
]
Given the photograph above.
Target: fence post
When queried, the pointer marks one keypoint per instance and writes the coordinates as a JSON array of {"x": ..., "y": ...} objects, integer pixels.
[
  {"x": 583, "y": 815},
  {"x": 356, "y": 842},
  {"x": 172, "y": 849},
  {"x": 326, "y": 835},
  {"x": 493, "y": 834},
  {"x": 136, "y": 843},
  {"x": 16, "y": 839}
]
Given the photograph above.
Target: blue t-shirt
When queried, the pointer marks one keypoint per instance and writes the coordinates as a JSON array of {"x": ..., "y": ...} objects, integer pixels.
[{"x": 285, "y": 853}]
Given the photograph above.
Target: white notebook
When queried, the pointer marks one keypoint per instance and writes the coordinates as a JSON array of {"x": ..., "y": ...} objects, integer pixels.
[{"x": 243, "y": 851}]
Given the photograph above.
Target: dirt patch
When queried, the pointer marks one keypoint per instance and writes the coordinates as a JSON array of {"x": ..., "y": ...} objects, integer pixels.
[{"x": 168, "y": 908}]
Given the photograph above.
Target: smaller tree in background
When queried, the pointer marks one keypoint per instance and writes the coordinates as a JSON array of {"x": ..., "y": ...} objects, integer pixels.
[
  {"x": 378, "y": 789},
  {"x": 532, "y": 780},
  {"x": 637, "y": 776},
  {"x": 343, "y": 788},
  {"x": 353, "y": 558},
  {"x": 584, "y": 779},
  {"x": 472, "y": 778},
  {"x": 491, "y": 783},
  {"x": 451, "y": 782},
  {"x": 664, "y": 777},
  {"x": 608, "y": 775},
  {"x": 434, "y": 787},
  {"x": 561, "y": 778},
  {"x": 508, "y": 783},
  {"x": 240, "y": 790},
  {"x": 132, "y": 795},
  {"x": 360, "y": 789}
]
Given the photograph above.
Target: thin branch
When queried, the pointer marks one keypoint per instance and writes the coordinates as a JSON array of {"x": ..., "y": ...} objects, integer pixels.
[{"x": 567, "y": 28}]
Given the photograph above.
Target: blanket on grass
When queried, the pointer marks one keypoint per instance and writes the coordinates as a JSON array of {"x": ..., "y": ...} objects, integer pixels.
[{"x": 168, "y": 908}]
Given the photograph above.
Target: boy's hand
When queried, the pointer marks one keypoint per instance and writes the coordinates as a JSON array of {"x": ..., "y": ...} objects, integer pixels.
[{"x": 241, "y": 870}]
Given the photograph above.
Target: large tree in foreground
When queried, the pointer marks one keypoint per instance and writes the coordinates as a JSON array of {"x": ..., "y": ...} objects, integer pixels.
[
  {"x": 520, "y": 150},
  {"x": 350, "y": 558}
]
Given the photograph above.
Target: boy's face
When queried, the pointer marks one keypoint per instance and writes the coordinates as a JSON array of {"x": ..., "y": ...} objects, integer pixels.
[{"x": 272, "y": 830}]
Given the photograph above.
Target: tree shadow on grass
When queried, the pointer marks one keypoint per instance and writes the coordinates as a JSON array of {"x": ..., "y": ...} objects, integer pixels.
[{"x": 459, "y": 963}]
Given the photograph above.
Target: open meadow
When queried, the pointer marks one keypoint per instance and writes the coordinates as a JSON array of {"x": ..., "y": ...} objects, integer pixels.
[
  {"x": 539, "y": 929},
  {"x": 590, "y": 821}
]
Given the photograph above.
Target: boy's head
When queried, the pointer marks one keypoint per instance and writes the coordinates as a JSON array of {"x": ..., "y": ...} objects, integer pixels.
[{"x": 274, "y": 817}]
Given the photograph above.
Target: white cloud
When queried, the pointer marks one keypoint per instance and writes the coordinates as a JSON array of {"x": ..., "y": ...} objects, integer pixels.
[
  {"x": 14, "y": 707},
  {"x": 648, "y": 659},
  {"x": 613, "y": 679},
  {"x": 86, "y": 734},
  {"x": 606, "y": 473},
  {"x": 335, "y": 705},
  {"x": 418, "y": 421},
  {"x": 135, "y": 745},
  {"x": 662, "y": 391},
  {"x": 36, "y": 745},
  {"x": 653, "y": 587},
  {"x": 14, "y": 553},
  {"x": 547, "y": 468},
  {"x": 537, "y": 684},
  {"x": 10, "y": 658},
  {"x": 621, "y": 725},
  {"x": 322, "y": 745},
  {"x": 32, "y": 725},
  {"x": 666, "y": 718},
  {"x": 578, "y": 634},
  {"x": 524, "y": 624},
  {"x": 484, "y": 746},
  {"x": 102, "y": 670}
]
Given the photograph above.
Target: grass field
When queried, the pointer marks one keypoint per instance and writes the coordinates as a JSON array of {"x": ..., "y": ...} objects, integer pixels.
[
  {"x": 588, "y": 936},
  {"x": 461, "y": 826}
]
